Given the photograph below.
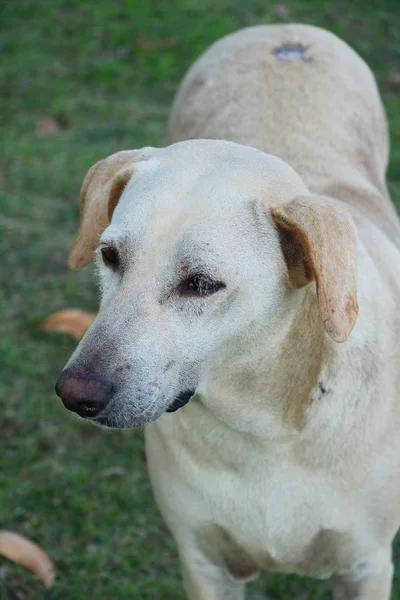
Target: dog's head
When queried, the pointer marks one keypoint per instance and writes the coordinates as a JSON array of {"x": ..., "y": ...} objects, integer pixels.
[{"x": 200, "y": 247}]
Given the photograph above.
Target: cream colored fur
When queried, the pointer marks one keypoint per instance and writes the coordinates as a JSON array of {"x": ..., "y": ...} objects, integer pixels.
[{"x": 288, "y": 455}]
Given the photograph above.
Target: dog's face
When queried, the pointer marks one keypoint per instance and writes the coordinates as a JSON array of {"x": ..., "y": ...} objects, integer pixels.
[{"x": 194, "y": 261}]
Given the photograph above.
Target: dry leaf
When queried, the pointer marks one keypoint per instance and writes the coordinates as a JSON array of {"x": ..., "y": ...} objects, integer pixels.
[
  {"x": 47, "y": 126},
  {"x": 111, "y": 471},
  {"x": 24, "y": 552},
  {"x": 147, "y": 44},
  {"x": 73, "y": 321},
  {"x": 393, "y": 82}
]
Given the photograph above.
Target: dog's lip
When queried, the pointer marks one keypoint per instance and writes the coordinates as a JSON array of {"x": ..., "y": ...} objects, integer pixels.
[{"x": 182, "y": 399}]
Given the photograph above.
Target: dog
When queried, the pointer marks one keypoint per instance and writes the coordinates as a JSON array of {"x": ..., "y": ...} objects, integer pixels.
[{"x": 250, "y": 276}]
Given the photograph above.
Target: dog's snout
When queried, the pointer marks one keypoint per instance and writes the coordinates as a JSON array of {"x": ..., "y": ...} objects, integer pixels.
[{"x": 86, "y": 396}]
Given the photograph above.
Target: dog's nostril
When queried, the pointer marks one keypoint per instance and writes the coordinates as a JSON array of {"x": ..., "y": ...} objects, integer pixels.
[{"x": 85, "y": 396}]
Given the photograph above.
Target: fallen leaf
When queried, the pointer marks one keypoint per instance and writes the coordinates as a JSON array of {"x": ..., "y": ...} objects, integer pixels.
[
  {"x": 20, "y": 550},
  {"x": 73, "y": 321},
  {"x": 393, "y": 82},
  {"x": 112, "y": 471},
  {"x": 47, "y": 126},
  {"x": 146, "y": 44}
]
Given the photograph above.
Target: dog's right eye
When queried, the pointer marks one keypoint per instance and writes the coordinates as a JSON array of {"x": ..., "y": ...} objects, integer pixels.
[
  {"x": 199, "y": 285},
  {"x": 110, "y": 257}
]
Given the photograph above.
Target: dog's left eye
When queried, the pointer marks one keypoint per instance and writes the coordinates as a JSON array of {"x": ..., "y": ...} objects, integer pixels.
[
  {"x": 110, "y": 257},
  {"x": 199, "y": 285}
]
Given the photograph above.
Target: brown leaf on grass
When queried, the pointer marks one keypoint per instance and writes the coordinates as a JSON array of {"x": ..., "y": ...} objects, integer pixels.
[
  {"x": 20, "y": 550},
  {"x": 73, "y": 321},
  {"x": 52, "y": 125},
  {"x": 112, "y": 471},
  {"x": 47, "y": 126},
  {"x": 393, "y": 82},
  {"x": 146, "y": 44}
]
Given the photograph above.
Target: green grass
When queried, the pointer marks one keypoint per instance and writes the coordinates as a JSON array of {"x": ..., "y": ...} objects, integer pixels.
[{"x": 107, "y": 71}]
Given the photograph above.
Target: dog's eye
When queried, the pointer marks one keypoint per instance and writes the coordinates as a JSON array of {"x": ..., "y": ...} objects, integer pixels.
[
  {"x": 110, "y": 257},
  {"x": 199, "y": 285}
]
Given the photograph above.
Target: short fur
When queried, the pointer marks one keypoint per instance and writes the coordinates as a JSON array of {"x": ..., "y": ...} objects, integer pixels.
[{"x": 288, "y": 455}]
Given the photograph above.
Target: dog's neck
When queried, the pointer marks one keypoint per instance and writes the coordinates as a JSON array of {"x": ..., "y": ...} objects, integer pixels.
[{"x": 268, "y": 384}]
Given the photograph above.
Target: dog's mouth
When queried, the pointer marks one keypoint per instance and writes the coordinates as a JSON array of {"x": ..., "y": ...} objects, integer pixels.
[
  {"x": 181, "y": 400},
  {"x": 114, "y": 421}
]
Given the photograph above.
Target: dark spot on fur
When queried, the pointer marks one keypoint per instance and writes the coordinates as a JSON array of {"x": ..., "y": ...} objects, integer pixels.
[
  {"x": 321, "y": 391},
  {"x": 198, "y": 82},
  {"x": 169, "y": 365},
  {"x": 291, "y": 52}
]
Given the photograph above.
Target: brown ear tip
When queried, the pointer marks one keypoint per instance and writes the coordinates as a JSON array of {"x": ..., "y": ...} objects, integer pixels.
[
  {"x": 75, "y": 265},
  {"x": 80, "y": 253},
  {"x": 338, "y": 335},
  {"x": 340, "y": 331},
  {"x": 73, "y": 262},
  {"x": 77, "y": 261}
]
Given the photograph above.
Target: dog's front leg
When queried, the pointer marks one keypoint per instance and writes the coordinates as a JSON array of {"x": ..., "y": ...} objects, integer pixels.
[
  {"x": 204, "y": 581},
  {"x": 376, "y": 587}
]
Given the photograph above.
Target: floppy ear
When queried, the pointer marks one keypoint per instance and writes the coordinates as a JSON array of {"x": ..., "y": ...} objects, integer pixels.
[
  {"x": 319, "y": 242},
  {"x": 100, "y": 192}
]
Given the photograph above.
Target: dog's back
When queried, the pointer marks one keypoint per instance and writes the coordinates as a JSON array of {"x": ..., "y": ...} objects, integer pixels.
[{"x": 301, "y": 93}]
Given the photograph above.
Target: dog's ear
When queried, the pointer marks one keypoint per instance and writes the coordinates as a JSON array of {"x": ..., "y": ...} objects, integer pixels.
[
  {"x": 100, "y": 192},
  {"x": 319, "y": 242}
]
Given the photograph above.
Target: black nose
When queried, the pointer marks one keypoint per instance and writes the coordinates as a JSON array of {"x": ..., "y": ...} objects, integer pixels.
[{"x": 86, "y": 396}]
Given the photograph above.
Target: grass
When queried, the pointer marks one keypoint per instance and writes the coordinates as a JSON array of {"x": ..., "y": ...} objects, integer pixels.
[{"x": 106, "y": 72}]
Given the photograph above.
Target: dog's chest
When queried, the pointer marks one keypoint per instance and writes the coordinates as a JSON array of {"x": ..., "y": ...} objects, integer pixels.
[
  {"x": 279, "y": 520},
  {"x": 327, "y": 552},
  {"x": 250, "y": 509}
]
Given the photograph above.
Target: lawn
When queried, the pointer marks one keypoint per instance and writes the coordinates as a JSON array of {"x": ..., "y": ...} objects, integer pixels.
[{"x": 80, "y": 80}]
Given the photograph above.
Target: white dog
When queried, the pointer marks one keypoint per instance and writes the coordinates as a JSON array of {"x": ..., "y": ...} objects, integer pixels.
[{"x": 229, "y": 279}]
